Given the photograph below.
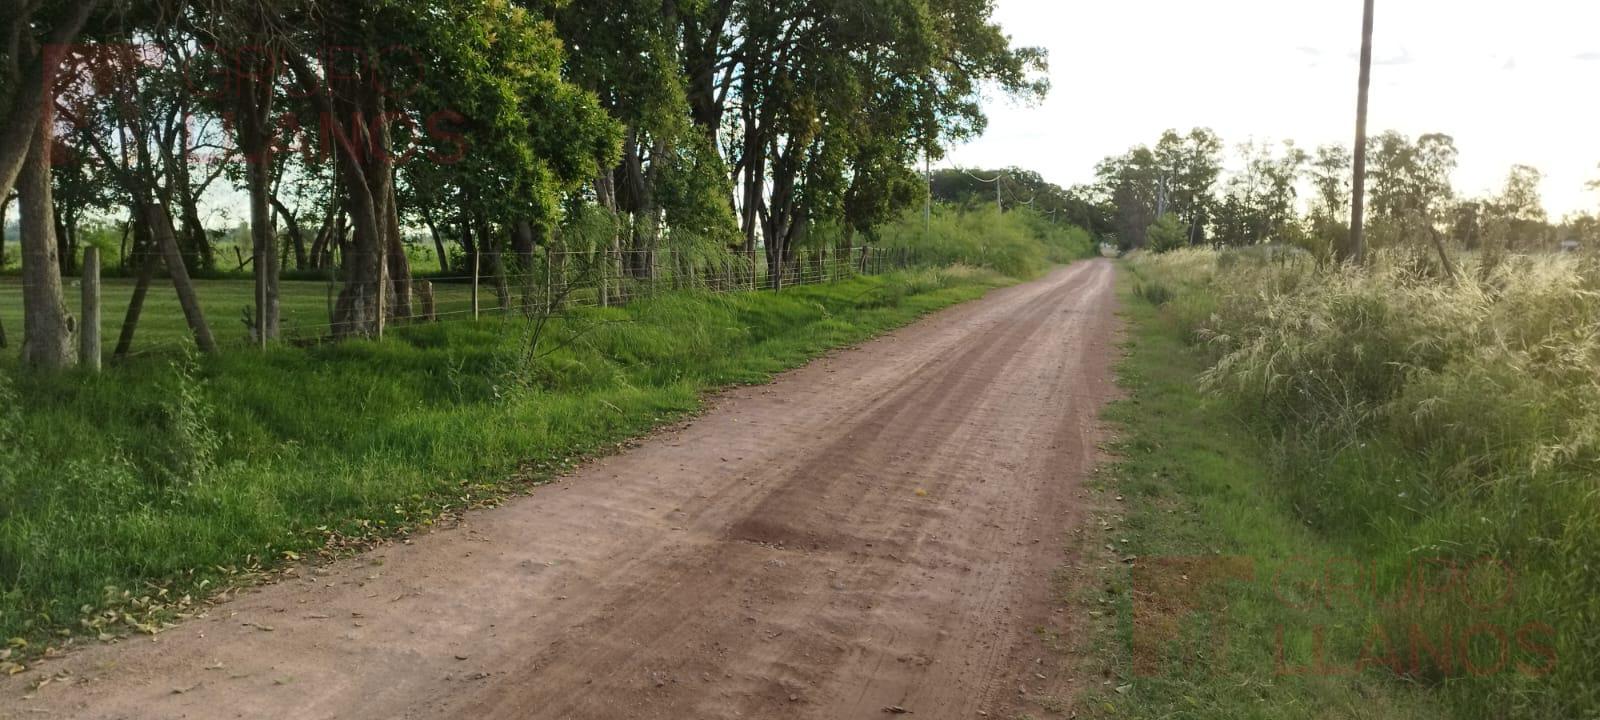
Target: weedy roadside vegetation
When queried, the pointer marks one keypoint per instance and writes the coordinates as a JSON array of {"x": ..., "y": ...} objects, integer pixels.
[
  {"x": 129, "y": 496},
  {"x": 1434, "y": 438}
]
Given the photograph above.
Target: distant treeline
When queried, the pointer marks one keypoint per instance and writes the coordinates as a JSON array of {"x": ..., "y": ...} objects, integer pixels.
[{"x": 1176, "y": 194}]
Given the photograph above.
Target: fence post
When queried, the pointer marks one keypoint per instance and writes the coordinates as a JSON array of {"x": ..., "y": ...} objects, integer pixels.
[
  {"x": 429, "y": 310},
  {"x": 476, "y": 256},
  {"x": 549, "y": 293},
  {"x": 89, "y": 325}
]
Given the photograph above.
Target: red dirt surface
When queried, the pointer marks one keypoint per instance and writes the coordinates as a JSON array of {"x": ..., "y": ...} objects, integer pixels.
[{"x": 871, "y": 533}]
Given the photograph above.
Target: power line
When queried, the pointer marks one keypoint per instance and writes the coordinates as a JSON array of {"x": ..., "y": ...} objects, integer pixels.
[{"x": 998, "y": 204}]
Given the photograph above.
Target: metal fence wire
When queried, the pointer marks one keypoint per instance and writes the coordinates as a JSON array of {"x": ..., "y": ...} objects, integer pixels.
[{"x": 493, "y": 286}]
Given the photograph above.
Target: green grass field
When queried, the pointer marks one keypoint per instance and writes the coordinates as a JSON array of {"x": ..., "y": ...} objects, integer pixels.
[
  {"x": 171, "y": 475},
  {"x": 303, "y": 304}
]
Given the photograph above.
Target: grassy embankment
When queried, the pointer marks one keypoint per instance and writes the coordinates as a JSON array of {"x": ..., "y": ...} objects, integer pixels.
[
  {"x": 171, "y": 476},
  {"x": 1356, "y": 495}
]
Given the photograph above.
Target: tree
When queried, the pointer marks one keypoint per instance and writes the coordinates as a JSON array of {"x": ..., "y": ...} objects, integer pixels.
[
  {"x": 35, "y": 32},
  {"x": 1520, "y": 199},
  {"x": 1260, "y": 202},
  {"x": 1189, "y": 166},
  {"x": 1329, "y": 171},
  {"x": 1133, "y": 185},
  {"x": 1406, "y": 177},
  {"x": 1515, "y": 219},
  {"x": 121, "y": 110},
  {"x": 1330, "y": 175},
  {"x": 1168, "y": 233},
  {"x": 806, "y": 70},
  {"x": 1080, "y": 206},
  {"x": 47, "y": 330},
  {"x": 627, "y": 53}
]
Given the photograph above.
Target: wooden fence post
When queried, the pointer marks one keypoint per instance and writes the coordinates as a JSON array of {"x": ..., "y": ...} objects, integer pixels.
[
  {"x": 429, "y": 309},
  {"x": 89, "y": 323}
]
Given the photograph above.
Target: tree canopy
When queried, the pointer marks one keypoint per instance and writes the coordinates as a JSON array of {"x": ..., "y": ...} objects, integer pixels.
[{"x": 502, "y": 127}]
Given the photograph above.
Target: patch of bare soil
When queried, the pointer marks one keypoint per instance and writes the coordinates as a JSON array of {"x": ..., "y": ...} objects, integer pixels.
[{"x": 871, "y": 534}]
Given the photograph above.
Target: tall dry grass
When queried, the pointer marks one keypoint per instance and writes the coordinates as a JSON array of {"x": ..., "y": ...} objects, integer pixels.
[{"x": 1413, "y": 416}]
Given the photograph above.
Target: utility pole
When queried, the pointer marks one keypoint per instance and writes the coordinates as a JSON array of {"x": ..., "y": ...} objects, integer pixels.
[
  {"x": 927, "y": 209},
  {"x": 1357, "y": 250}
]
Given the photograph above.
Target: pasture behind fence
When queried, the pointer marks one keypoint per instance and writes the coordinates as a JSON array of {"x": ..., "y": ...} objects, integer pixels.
[{"x": 500, "y": 286}]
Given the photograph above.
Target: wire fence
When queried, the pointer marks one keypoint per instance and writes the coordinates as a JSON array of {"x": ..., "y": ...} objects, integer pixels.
[{"x": 495, "y": 287}]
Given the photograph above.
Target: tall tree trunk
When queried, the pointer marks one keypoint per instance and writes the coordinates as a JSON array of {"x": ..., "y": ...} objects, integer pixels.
[
  {"x": 363, "y": 164},
  {"x": 195, "y": 243},
  {"x": 65, "y": 252},
  {"x": 606, "y": 193},
  {"x": 494, "y": 262},
  {"x": 5, "y": 209},
  {"x": 356, "y": 313},
  {"x": 778, "y": 229},
  {"x": 144, "y": 249},
  {"x": 343, "y": 240},
  {"x": 321, "y": 246},
  {"x": 399, "y": 266},
  {"x": 46, "y": 325},
  {"x": 469, "y": 245},
  {"x": 32, "y": 68},
  {"x": 122, "y": 248},
  {"x": 265, "y": 244},
  {"x": 648, "y": 224},
  {"x": 297, "y": 238},
  {"x": 160, "y": 219},
  {"x": 522, "y": 244},
  {"x": 703, "y": 30},
  {"x": 254, "y": 101},
  {"x": 630, "y": 196},
  {"x": 438, "y": 242}
]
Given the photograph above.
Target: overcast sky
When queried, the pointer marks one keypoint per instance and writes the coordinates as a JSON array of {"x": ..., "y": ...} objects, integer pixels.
[{"x": 1512, "y": 81}]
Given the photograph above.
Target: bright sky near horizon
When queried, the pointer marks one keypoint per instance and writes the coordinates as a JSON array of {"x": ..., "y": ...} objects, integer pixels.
[{"x": 1512, "y": 82}]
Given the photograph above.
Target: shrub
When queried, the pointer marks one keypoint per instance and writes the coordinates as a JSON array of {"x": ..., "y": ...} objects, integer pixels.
[
  {"x": 1168, "y": 234},
  {"x": 1018, "y": 243}
]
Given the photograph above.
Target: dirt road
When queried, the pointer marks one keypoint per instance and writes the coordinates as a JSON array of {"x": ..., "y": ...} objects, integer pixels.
[{"x": 875, "y": 530}]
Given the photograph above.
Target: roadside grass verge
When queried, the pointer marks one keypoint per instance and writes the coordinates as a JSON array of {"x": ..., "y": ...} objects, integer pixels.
[
  {"x": 131, "y": 495},
  {"x": 1441, "y": 431},
  {"x": 1218, "y": 601}
]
